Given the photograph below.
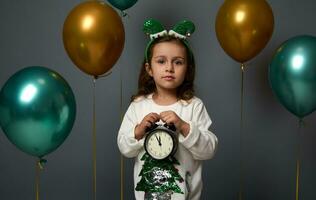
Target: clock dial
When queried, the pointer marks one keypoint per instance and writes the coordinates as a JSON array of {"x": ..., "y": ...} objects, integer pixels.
[{"x": 159, "y": 144}]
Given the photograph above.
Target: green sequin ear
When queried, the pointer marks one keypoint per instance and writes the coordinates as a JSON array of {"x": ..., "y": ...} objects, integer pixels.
[
  {"x": 183, "y": 29},
  {"x": 154, "y": 29}
]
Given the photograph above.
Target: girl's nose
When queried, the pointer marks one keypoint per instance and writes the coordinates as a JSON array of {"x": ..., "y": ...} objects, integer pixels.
[{"x": 169, "y": 67}]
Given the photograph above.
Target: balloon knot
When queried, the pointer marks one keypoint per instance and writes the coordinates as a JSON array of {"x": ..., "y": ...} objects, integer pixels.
[
  {"x": 124, "y": 14},
  {"x": 302, "y": 122},
  {"x": 242, "y": 67},
  {"x": 41, "y": 163}
]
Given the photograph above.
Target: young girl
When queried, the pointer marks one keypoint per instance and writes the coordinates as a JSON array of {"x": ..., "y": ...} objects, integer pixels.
[{"x": 166, "y": 95}]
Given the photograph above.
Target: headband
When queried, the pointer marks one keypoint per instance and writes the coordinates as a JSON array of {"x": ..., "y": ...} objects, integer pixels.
[{"x": 181, "y": 30}]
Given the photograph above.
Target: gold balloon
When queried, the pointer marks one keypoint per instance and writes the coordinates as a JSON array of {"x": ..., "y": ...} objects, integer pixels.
[
  {"x": 244, "y": 27},
  {"x": 93, "y": 37}
]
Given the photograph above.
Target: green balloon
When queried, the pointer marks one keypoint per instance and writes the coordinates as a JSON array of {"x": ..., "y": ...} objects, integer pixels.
[
  {"x": 292, "y": 75},
  {"x": 122, "y": 4},
  {"x": 37, "y": 110}
]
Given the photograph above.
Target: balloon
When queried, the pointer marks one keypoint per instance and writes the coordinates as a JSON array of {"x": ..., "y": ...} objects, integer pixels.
[
  {"x": 122, "y": 4},
  {"x": 93, "y": 36},
  {"x": 244, "y": 27},
  {"x": 37, "y": 110},
  {"x": 292, "y": 75}
]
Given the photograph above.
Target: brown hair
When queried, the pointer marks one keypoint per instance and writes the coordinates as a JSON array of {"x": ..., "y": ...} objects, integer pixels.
[{"x": 146, "y": 84}]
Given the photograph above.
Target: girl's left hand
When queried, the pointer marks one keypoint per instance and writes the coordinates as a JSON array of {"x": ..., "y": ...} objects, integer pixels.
[{"x": 170, "y": 117}]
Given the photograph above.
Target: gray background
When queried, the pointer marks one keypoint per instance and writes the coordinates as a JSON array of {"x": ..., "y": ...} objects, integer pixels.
[{"x": 31, "y": 34}]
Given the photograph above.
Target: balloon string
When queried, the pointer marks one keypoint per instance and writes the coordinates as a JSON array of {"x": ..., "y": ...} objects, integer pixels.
[
  {"x": 298, "y": 160},
  {"x": 241, "y": 130},
  {"x": 37, "y": 180},
  {"x": 94, "y": 140},
  {"x": 94, "y": 135},
  {"x": 38, "y": 168},
  {"x": 122, "y": 177},
  {"x": 121, "y": 118},
  {"x": 297, "y": 178}
]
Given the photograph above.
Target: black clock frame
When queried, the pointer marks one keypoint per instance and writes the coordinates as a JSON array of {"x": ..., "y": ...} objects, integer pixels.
[{"x": 170, "y": 129}]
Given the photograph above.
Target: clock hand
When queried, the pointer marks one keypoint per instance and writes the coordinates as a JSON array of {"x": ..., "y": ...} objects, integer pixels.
[{"x": 158, "y": 139}]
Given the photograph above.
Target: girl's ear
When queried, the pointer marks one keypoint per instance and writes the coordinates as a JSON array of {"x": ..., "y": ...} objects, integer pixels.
[{"x": 148, "y": 69}]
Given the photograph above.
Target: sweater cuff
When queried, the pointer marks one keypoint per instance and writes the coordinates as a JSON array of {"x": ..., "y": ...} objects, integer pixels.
[
  {"x": 133, "y": 141},
  {"x": 192, "y": 136}
]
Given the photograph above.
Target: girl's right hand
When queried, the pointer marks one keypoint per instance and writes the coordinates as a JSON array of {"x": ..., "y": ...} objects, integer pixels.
[{"x": 147, "y": 122}]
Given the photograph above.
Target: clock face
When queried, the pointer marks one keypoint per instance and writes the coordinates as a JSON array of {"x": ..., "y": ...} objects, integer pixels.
[{"x": 159, "y": 144}]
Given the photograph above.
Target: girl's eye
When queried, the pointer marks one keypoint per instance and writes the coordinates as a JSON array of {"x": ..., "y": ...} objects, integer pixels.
[
  {"x": 160, "y": 61},
  {"x": 179, "y": 62}
]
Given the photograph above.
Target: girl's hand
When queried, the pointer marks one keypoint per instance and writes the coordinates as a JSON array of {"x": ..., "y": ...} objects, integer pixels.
[
  {"x": 171, "y": 117},
  {"x": 147, "y": 122}
]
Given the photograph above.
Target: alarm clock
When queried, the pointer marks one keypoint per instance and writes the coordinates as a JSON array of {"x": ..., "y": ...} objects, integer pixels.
[{"x": 161, "y": 141}]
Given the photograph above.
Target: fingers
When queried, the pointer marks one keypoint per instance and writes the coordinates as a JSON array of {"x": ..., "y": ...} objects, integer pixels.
[
  {"x": 147, "y": 122},
  {"x": 152, "y": 118},
  {"x": 169, "y": 117}
]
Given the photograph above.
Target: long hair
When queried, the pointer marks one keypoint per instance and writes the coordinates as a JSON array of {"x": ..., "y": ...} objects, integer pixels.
[{"x": 146, "y": 84}]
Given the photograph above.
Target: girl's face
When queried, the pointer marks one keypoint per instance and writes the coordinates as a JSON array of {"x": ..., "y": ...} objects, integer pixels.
[{"x": 168, "y": 65}]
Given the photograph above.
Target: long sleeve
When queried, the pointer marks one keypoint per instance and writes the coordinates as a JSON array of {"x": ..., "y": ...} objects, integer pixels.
[
  {"x": 200, "y": 141},
  {"x": 126, "y": 141}
]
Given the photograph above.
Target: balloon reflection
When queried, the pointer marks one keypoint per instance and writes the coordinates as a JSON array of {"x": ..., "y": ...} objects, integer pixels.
[
  {"x": 87, "y": 22},
  {"x": 28, "y": 93},
  {"x": 240, "y": 16},
  {"x": 297, "y": 62}
]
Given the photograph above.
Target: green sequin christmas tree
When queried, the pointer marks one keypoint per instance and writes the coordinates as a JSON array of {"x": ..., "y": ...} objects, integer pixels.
[{"x": 159, "y": 177}]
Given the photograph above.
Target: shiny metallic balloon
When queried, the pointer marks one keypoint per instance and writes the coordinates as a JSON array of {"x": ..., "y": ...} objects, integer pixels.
[
  {"x": 122, "y": 4},
  {"x": 244, "y": 27},
  {"x": 292, "y": 75},
  {"x": 93, "y": 36},
  {"x": 37, "y": 110}
]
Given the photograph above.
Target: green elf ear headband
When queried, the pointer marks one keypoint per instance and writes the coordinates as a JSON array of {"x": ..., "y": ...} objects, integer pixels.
[{"x": 181, "y": 30}]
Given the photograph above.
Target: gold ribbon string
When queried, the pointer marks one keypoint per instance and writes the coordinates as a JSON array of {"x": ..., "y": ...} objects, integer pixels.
[
  {"x": 37, "y": 174},
  {"x": 94, "y": 144},
  {"x": 94, "y": 136},
  {"x": 242, "y": 68},
  {"x": 297, "y": 179},
  {"x": 122, "y": 177},
  {"x": 121, "y": 156},
  {"x": 38, "y": 168},
  {"x": 298, "y": 160}
]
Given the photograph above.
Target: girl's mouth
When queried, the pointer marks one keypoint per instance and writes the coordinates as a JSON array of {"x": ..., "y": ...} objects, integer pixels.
[{"x": 168, "y": 77}]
